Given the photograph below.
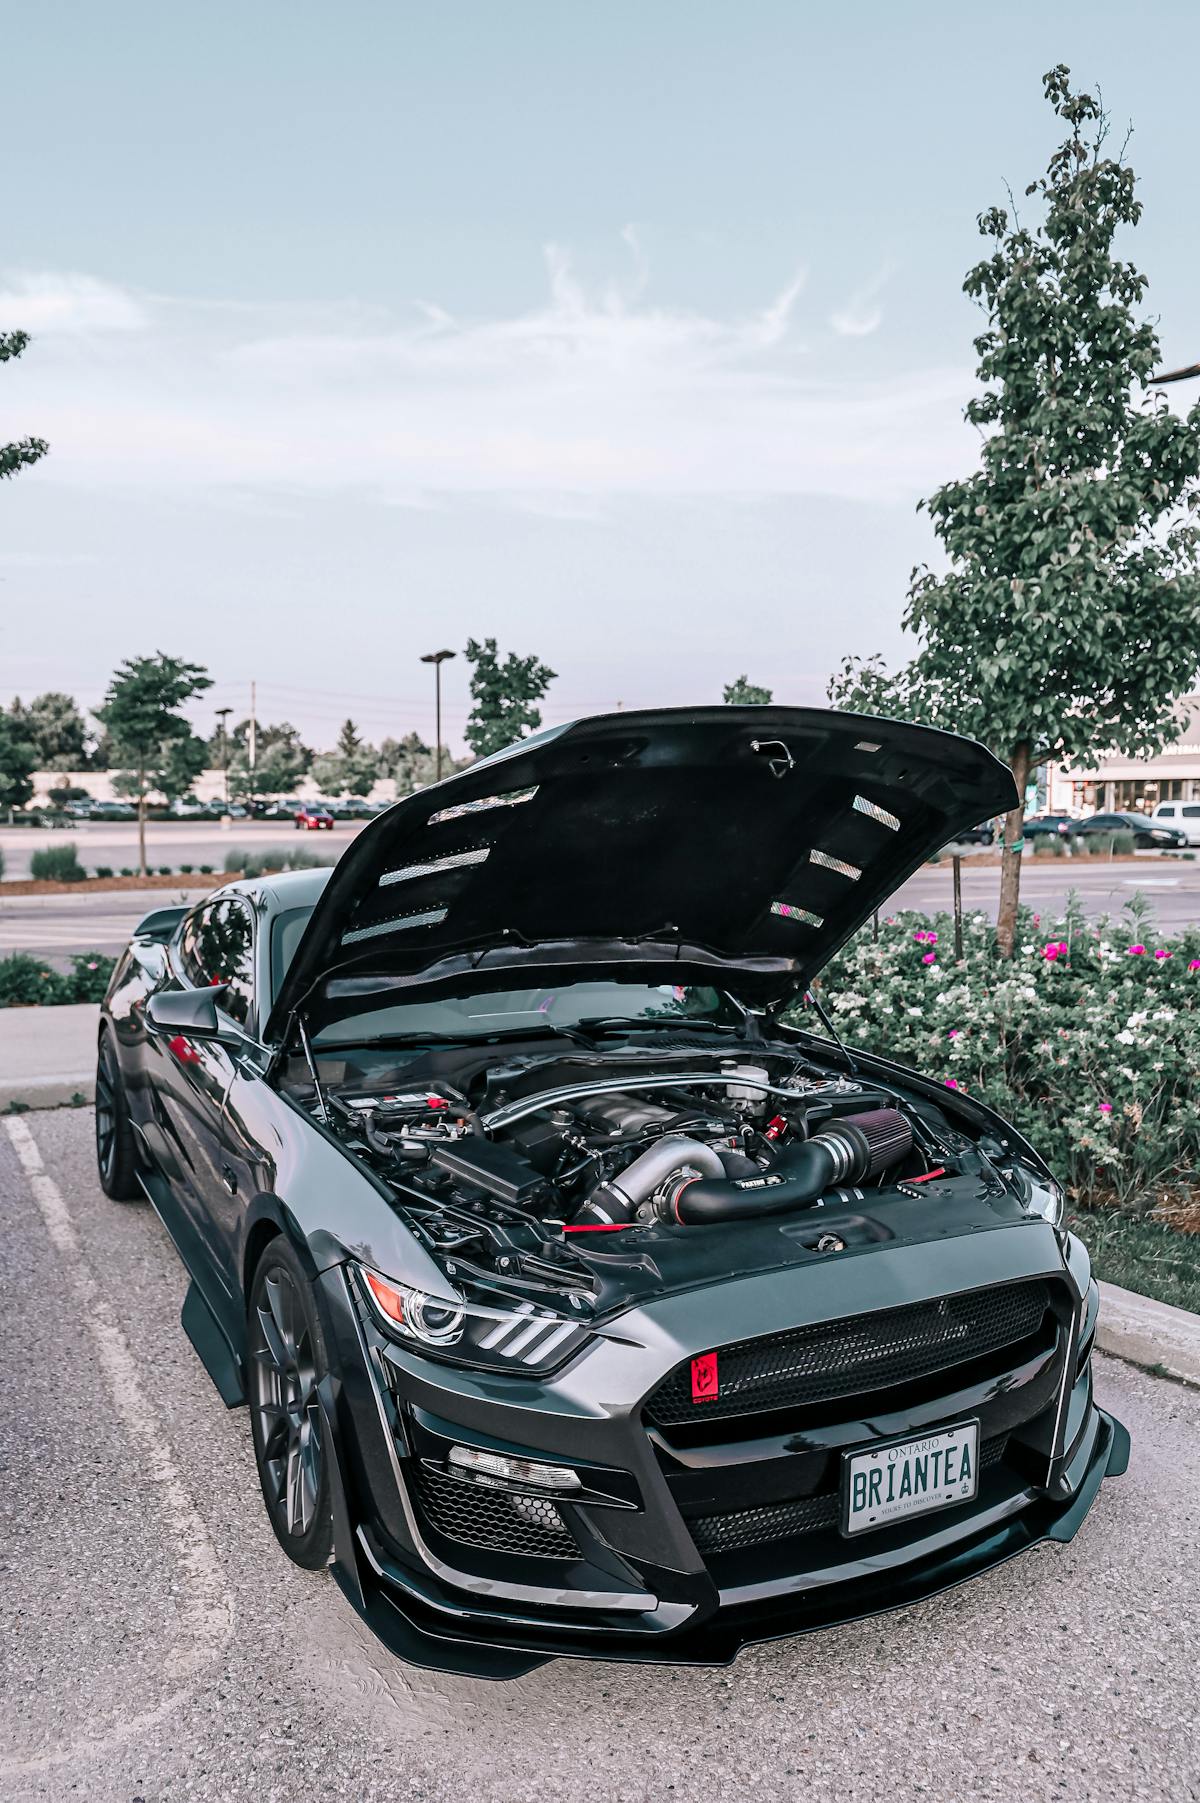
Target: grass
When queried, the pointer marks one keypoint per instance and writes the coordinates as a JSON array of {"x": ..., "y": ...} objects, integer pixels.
[{"x": 1142, "y": 1255}]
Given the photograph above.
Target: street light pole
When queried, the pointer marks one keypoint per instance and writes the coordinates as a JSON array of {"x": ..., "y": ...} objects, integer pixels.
[
  {"x": 437, "y": 659},
  {"x": 223, "y": 714}
]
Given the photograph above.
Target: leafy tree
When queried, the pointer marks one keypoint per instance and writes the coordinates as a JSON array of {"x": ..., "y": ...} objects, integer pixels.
[
  {"x": 1068, "y": 620},
  {"x": 744, "y": 693},
  {"x": 352, "y": 768},
  {"x": 151, "y": 739},
  {"x": 57, "y": 730},
  {"x": 24, "y": 451},
  {"x": 412, "y": 764},
  {"x": 18, "y": 761},
  {"x": 281, "y": 759},
  {"x": 504, "y": 696}
]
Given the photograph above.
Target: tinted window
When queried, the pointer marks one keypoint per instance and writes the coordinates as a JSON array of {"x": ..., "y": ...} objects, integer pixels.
[
  {"x": 1191, "y": 813},
  {"x": 217, "y": 946},
  {"x": 1165, "y": 813}
]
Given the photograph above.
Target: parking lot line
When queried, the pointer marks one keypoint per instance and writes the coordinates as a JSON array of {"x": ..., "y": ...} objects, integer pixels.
[{"x": 207, "y": 1612}]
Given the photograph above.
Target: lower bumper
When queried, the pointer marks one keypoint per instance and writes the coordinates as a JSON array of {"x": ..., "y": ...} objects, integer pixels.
[{"x": 495, "y": 1645}]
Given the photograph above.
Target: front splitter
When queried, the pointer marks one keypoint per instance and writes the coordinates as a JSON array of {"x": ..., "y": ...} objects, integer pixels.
[{"x": 496, "y": 1648}]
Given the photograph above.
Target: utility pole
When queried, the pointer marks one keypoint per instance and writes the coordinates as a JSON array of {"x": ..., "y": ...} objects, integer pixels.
[
  {"x": 437, "y": 659},
  {"x": 252, "y": 746},
  {"x": 223, "y": 714}
]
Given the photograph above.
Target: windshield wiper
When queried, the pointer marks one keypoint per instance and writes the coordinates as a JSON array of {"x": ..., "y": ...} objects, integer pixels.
[{"x": 615, "y": 1023}]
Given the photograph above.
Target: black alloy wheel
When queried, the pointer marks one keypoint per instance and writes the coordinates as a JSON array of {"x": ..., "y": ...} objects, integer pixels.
[
  {"x": 286, "y": 1363},
  {"x": 116, "y": 1149}
]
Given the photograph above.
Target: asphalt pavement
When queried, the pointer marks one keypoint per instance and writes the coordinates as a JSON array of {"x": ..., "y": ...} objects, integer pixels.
[
  {"x": 173, "y": 842},
  {"x": 157, "y": 1645}
]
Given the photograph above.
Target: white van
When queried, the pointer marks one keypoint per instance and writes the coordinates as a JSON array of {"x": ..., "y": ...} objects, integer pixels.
[{"x": 1183, "y": 815}]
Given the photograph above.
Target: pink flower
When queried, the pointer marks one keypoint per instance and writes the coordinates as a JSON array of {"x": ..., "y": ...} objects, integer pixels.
[
  {"x": 1162, "y": 952},
  {"x": 929, "y": 958},
  {"x": 1037, "y": 920},
  {"x": 1134, "y": 951},
  {"x": 1194, "y": 964},
  {"x": 1051, "y": 952},
  {"x": 951, "y": 1082},
  {"x": 1106, "y": 1107},
  {"x": 931, "y": 938},
  {"x": 954, "y": 1033},
  {"x": 890, "y": 921},
  {"x": 920, "y": 937}
]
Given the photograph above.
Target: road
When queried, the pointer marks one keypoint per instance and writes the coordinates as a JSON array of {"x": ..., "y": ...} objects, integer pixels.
[
  {"x": 53, "y": 926},
  {"x": 158, "y": 1646},
  {"x": 172, "y": 842}
]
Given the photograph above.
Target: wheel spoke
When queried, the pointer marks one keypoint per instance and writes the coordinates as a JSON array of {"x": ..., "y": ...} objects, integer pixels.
[{"x": 274, "y": 1351}]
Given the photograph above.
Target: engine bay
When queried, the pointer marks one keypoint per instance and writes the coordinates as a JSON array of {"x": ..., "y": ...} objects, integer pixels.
[{"x": 543, "y": 1170}]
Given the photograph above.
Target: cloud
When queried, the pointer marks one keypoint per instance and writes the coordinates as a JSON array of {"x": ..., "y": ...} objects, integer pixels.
[
  {"x": 78, "y": 305},
  {"x": 579, "y": 397},
  {"x": 862, "y": 313}
]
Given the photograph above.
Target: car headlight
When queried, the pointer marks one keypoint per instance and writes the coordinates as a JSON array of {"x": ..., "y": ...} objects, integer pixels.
[
  {"x": 1047, "y": 1200},
  {"x": 517, "y": 1337}
]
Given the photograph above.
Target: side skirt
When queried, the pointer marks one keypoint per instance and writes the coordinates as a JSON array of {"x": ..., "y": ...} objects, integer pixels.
[{"x": 206, "y": 1308}]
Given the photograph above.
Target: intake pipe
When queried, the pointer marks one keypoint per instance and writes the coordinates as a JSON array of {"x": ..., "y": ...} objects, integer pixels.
[{"x": 851, "y": 1150}]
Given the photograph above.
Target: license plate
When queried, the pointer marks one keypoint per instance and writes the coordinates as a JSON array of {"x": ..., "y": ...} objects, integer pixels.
[{"x": 909, "y": 1477}]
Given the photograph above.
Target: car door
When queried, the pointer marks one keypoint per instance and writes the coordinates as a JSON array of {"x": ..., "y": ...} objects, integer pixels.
[{"x": 216, "y": 946}]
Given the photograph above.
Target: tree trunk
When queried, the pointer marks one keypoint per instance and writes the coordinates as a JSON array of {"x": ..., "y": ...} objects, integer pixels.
[
  {"x": 1010, "y": 855},
  {"x": 142, "y": 819}
]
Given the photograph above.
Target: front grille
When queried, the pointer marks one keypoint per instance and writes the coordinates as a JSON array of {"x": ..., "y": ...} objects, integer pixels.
[
  {"x": 738, "y": 1529},
  {"x": 476, "y": 1516},
  {"x": 860, "y": 1353}
]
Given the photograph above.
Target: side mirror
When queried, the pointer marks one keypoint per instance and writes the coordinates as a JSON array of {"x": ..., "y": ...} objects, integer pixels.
[{"x": 192, "y": 1012}]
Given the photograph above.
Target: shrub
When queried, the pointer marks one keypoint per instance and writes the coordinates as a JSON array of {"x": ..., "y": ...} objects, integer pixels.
[
  {"x": 186, "y": 869},
  {"x": 57, "y": 864},
  {"x": 26, "y": 982},
  {"x": 125, "y": 870},
  {"x": 1087, "y": 1040},
  {"x": 1, "y": 862},
  {"x": 304, "y": 859},
  {"x": 206, "y": 870},
  {"x": 164, "y": 870},
  {"x": 104, "y": 870},
  {"x": 235, "y": 860}
]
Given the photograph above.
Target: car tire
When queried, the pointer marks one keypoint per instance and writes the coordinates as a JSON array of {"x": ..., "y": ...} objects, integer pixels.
[
  {"x": 285, "y": 1361},
  {"x": 116, "y": 1148}
]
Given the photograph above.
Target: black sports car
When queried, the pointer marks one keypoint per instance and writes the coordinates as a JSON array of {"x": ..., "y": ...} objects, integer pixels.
[{"x": 584, "y": 1302}]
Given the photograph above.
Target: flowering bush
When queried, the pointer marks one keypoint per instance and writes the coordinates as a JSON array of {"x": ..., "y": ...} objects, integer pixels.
[
  {"x": 1088, "y": 1040},
  {"x": 27, "y": 982}
]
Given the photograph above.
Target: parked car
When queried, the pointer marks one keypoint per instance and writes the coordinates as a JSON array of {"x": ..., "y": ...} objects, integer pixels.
[
  {"x": 314, "y": 816},
  {"x": 584, "y": 1303},
  {"x": 984, "y": 834},
  {"x": 188, "y": 807},
  {"x": 1148, "y": 835},
  {"x": 113, "y": 810},
  {"x": 1042, "y": 826},
  {"x": 1182, "y": 814}
]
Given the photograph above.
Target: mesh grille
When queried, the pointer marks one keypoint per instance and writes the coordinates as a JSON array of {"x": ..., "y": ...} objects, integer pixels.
[
  {"x": 738, "y": 1529},
  {"x": 477, "y": 1516},
  {"x": 860, "y": 1353}
]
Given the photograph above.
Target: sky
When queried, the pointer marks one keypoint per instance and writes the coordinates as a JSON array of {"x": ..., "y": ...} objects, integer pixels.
[{"x": 628, "y": 334}]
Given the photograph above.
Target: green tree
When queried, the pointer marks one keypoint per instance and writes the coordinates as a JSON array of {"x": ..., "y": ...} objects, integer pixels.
[
  {"x": 57, "y": 730},
  {"x": 504, "y": 696},
  {"x": 744, "y": 693},
  {"x": 281, "y": 760},
  {"x": 18, "y": 761},
  {"x": 23, "y": 451},
  {"x": 1068, "y": 621},
  {"x": 148, "y": 733},
  {"x": 412, "y": 764}
]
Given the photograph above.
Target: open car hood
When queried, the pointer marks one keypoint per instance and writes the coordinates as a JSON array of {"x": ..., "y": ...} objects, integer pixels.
[{"x": 739, "y": 846}]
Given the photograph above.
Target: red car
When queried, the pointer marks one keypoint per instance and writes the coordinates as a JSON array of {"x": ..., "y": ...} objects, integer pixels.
[{"x": 313, "y": 817}]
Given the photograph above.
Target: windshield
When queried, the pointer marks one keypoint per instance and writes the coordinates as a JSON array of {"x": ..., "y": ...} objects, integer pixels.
[{"x": 536, "y": 1011}]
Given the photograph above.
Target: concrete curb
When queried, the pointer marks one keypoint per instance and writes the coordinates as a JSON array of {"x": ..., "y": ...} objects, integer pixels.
[
  {"x": 48, "y": 1092},
  {"x": 1152, "y": 1335}
]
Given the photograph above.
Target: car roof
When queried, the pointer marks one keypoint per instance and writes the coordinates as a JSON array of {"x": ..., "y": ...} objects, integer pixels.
[{"x": 286, "y": 889}]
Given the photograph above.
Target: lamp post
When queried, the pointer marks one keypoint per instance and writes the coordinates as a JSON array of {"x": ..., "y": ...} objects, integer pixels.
[
  {"x": 223, "y": 714},
  {"x": 437, "y": 659}
]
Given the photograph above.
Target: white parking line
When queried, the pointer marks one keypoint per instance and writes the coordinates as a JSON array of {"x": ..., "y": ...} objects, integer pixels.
[{"x": 208, "y": 1607}]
